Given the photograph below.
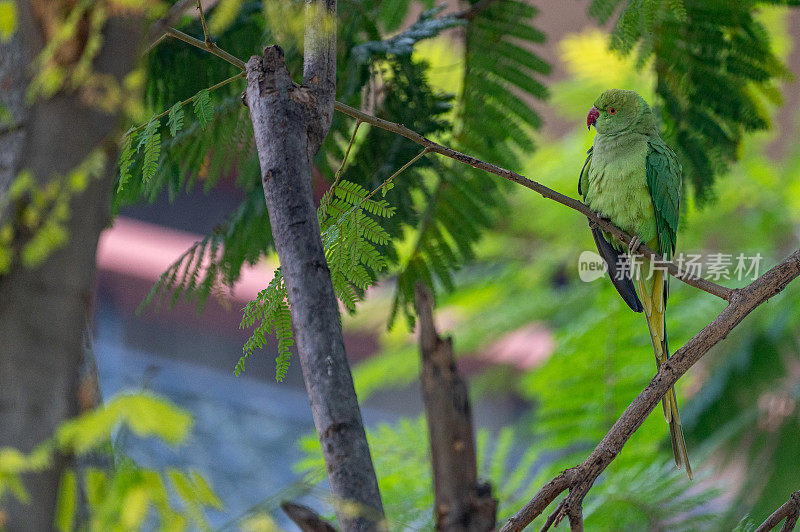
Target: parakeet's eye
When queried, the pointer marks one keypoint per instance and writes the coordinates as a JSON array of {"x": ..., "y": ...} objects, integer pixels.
[{"x": 612, "y": 111}]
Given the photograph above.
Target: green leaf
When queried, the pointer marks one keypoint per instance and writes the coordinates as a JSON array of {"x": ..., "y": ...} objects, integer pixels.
[
  {"x": 195, "y": 495},
  {"x": 125, "y": 159},
  {"x": 8, "y": 20},
  {"x": 134, "y": 508},
  {"x": 271, "y": 311},
  {"x": 143, "y": 414},
  {"x": 96, "y": 483},
  {"x": 203, "y": 108},
  {"x": 151, "y": 144},
  {"x": 175, "y": 119},
  {"x": 66, "y": 503}
]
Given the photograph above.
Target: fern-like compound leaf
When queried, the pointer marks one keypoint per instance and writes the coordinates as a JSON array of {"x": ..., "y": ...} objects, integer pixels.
[
  {"x": 270, "y": 311},
  {"x": 151, "y": 144},
  {"x": 126, "y": 154},
  {"x": 203, "y": 107},
  {"x": 175, "y": 119}
]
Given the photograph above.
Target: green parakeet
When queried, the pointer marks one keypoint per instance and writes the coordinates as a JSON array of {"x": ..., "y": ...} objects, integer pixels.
[{"x": 633, "y": 178}]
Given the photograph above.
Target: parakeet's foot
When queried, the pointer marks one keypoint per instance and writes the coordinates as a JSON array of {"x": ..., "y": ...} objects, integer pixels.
[{"x": 634, "y": 245}]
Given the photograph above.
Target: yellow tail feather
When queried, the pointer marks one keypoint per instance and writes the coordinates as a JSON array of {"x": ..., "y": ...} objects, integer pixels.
[
  {"x": 653, "y": 303},
  {"x": 676, "y": 435}
]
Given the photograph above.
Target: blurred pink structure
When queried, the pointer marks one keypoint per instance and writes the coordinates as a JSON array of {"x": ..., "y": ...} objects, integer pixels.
[
  {"x": 143, "y": 251},
  {"x": 523, "y": 348}
]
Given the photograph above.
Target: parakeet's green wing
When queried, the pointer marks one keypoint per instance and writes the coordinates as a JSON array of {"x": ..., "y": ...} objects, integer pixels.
[{"x": 664, "y": 183}]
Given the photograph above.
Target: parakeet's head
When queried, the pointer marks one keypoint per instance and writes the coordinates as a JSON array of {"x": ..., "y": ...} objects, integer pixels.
[{"x": 617, "y": 110}]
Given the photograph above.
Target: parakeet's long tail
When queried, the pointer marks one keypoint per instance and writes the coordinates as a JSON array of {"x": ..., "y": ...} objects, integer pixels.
[{"x": 653, "y": 301}]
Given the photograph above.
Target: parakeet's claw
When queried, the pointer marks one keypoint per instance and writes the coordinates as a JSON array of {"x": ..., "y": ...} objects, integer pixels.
[{"x": 634, "y": 245}]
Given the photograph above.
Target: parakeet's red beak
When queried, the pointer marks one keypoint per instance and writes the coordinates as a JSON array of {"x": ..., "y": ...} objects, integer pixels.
[{"x": 592, "y": 118}]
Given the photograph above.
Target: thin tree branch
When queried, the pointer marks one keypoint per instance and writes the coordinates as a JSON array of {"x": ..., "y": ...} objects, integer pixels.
[
  {"x": 397, "y": 173},
  {"x": 702, "y": 284},
  {"x": 580, "y": 479},
  {"x": 208, "y": 47},
  {"x": 544, "y": 497},
  {"x": 460, "y": 502},
  {"x": 346, "y": 155},
  {"x": 789, "y": 510},
  {"x": 575, "y": 515},
  {"x": 206, "y": 35}
]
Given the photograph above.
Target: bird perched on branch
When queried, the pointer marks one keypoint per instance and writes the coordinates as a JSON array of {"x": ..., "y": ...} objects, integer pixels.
[{"x": 633, "y": 178}]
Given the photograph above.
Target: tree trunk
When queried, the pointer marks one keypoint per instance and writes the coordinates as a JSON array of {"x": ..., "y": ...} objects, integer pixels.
[
  {"x": 290, "y": 122},
  {"x": 43, "y": 310},
  {"x": 460, "y": 502}
]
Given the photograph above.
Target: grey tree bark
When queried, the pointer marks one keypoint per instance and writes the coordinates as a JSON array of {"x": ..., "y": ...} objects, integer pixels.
[
  {"x": 290, "y": 122},
  {"x": 43, "y": 310}
]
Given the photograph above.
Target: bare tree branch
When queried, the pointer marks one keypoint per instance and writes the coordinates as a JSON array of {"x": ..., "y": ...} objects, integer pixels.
[
  {"x": 580, "y": 479},
  {"x": 206, "y": 35},
  {"x": 460, "y": 502},
  {"x": 209, "y": 46},
  {"x": 319, "y": 66},
  {"x": 789, "y": 510}
]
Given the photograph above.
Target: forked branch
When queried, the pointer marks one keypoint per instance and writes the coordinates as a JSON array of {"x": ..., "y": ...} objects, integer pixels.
[
  {"x": 789, "y": 510},
  {"x": 579, "y": 479}
]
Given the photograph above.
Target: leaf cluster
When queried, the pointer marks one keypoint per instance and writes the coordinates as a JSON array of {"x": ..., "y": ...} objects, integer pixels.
[
  {"x": 350, "y": 221},
  {"x": 35, "y": 216},
  {"x": 124, "y": 496},
  {"x": 494, "y": 122}
]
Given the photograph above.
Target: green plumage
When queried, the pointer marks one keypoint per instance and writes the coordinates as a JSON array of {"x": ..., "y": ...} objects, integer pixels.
[{"x": 634, "y": 179}]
